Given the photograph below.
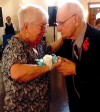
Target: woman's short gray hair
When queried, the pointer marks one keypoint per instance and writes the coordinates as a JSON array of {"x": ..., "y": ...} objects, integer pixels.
[{"x": 30, "y": 14}]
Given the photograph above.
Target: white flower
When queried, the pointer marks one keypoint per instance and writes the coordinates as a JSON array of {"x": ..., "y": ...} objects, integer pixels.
[{"x": 48, "y": 60}]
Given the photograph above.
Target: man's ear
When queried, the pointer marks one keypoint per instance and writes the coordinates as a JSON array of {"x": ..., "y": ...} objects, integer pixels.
[{"x": 77, "y": 20}]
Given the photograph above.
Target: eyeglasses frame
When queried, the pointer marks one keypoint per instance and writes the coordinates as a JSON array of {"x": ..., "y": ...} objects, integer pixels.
[{"x": 61, "y": 23}]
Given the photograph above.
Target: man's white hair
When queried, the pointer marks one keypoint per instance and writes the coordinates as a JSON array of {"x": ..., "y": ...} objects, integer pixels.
[
  {"x": 31, "y": 13},
  {"x": 74, "y": 7}
]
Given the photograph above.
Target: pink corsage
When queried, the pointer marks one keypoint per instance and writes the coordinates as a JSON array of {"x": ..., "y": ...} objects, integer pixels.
[{"x": 86, "y": 44}]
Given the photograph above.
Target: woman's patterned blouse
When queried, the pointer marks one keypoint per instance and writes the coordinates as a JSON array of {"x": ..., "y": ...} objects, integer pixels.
[{"x": 30, "y": 96}]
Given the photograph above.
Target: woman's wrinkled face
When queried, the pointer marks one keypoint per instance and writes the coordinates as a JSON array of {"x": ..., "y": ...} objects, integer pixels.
[{"x": 37, "y": 30}]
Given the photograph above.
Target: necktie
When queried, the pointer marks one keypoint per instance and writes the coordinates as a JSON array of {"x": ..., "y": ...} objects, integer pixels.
[
  {"x": 75, "y": 59},
  {"x": 75, "y": 53}
]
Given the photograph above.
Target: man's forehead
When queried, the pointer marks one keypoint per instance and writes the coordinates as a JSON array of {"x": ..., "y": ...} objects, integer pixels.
[{"x": 62, "y": 13}]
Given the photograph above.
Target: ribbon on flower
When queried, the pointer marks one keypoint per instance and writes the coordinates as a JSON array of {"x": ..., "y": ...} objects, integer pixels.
[{"x": 48, "y": 60}]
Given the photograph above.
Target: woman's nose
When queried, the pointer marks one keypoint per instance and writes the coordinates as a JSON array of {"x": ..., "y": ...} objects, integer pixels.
[{"x": 44, "y": 30}]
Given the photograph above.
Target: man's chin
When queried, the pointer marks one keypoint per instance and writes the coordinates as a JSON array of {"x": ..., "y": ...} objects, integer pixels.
[{"x": 67, "y": 37}]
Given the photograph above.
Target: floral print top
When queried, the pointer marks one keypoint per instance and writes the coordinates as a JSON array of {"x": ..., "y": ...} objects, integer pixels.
[{"x": 30, "y": 96}]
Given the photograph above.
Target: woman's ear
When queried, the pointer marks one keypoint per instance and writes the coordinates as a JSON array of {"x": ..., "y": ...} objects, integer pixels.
[{"x": 26, "y": 26}]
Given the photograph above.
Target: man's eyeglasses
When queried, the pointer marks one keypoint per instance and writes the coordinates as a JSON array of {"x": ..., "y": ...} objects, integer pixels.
[{"x": 61, "y": 23}]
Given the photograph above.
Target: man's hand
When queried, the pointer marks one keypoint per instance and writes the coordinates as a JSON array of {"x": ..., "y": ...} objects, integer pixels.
[
  {"x": 56, "y": 64},
  {"x": 66, "y": 67}
]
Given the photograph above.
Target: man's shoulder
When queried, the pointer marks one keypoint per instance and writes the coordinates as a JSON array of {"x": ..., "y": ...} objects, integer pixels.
[{"x": 91, "y": 31}]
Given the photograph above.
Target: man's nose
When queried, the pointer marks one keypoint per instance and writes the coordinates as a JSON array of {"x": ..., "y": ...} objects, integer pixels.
[{"x": 58, "y": 28}]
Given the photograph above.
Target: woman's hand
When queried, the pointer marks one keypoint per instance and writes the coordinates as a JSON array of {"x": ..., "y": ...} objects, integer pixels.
[
  {"x": 52, "y": 61},
  {"x": 57, "y": 64}
]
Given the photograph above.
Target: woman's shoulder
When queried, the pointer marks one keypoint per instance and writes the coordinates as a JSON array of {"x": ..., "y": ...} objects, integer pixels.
[{"x": 18, "y": 41}]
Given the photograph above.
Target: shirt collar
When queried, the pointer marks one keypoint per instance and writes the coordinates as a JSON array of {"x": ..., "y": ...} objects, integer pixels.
[
  {"x": 80, "y": 38},
  {"x": 8, "y": 24}
]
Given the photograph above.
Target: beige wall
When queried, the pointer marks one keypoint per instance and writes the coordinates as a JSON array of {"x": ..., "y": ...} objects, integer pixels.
[
  {"x": 85, "y": 2},
  {"x": 10, "y": 7}
]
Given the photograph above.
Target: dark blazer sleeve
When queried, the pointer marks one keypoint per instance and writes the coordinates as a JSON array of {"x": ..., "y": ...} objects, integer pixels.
[{"x": 65, "y": 50}]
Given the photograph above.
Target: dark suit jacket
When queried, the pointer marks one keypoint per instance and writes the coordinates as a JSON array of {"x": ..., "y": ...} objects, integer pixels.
[{"x": 87, "y": 79}]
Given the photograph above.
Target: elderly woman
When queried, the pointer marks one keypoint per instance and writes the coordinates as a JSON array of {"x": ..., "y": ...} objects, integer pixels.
[{"x": 26, "y": 83}]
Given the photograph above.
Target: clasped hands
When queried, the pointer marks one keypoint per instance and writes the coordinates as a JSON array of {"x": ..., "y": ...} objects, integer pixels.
[
  {"x": 65, "y": 66},
  {"x": 61, "y": 65}
]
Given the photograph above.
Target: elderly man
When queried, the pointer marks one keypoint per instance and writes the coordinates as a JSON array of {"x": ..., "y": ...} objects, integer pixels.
[{"x": 83, "y": 88}]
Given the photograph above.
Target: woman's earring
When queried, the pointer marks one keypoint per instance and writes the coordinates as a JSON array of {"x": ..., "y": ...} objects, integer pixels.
[{"x": 27, "y": 35}]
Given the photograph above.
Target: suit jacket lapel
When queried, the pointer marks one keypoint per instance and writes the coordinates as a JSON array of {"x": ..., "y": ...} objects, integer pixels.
[{"x": 86, "y": 45}]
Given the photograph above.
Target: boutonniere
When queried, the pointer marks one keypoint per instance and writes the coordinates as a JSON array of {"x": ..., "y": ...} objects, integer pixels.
[{"x": 86, "y": 44}]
